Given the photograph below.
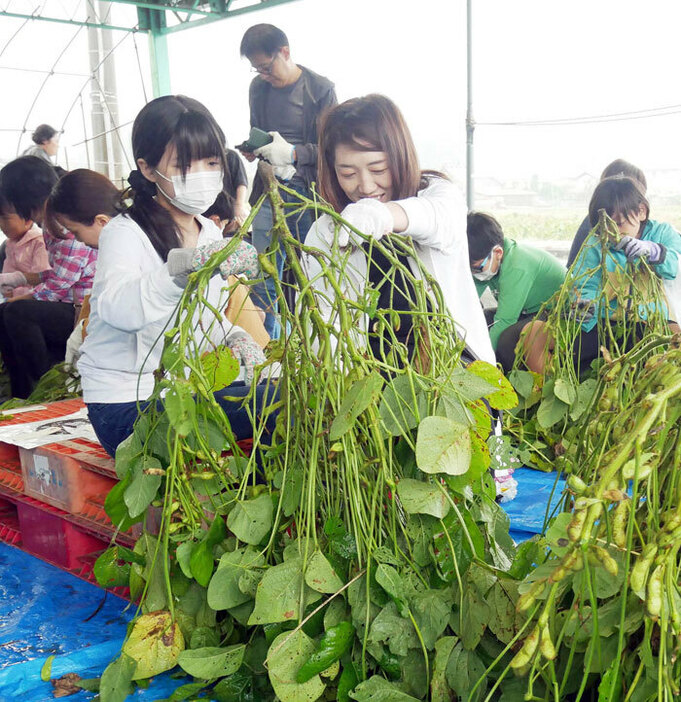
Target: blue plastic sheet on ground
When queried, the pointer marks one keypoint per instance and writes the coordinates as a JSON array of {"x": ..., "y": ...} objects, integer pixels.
[
  {"x": 530, "y": 508},
  {"x": 43, "y": 612}
]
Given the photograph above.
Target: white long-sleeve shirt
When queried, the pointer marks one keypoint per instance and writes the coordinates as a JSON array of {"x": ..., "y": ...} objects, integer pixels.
[
  {"x": 437, "y": 225},
  {"x": 133, "y": 299}
]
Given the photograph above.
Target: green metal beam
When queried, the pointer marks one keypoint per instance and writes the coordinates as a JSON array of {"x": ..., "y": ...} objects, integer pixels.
[
  {"x": 263, "y": 5},
  {"x": 155, "y": 22},
  {"x": 161, "y": 7},
  {"x": 73, "y": 23}
]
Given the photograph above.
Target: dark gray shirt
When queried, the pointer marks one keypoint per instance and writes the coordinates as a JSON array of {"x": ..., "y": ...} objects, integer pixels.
[{"x": 284, "y": 112}]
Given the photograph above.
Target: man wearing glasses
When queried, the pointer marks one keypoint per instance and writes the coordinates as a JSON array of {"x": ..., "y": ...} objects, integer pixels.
[{"x": 286, "y": 100}]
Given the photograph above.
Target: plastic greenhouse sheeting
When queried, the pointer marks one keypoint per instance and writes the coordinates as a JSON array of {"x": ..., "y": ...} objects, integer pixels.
[{"x": 45, "y": 611}]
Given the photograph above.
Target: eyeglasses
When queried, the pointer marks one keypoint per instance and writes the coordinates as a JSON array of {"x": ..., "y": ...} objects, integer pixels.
[
  {"x": 479, "y": 268},
  {"x": 265, "y": 69}
]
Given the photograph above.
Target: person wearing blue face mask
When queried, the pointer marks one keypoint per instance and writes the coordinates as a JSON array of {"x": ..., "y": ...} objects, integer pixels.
[{"x": 520, "y": 277}]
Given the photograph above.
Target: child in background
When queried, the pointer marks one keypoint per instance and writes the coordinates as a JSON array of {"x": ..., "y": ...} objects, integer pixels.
[
  {"x": 34, "y": 329},
  {"x": 617, "y": 167},
  {"x": 641, "y": 238},
  {"x": 520, "y": 277},
  {"x": 25, "y": 250}
]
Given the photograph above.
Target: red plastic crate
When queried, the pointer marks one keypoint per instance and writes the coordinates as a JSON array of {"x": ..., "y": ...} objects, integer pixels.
[
  {"x": 61, "y": 480},
  {"x": 10, "y": 532},
  {"x": 54, "y": 539},
  {"x": 10, "y": 473}
]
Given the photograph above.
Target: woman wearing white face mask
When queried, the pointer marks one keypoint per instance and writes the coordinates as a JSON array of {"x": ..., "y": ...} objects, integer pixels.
[{"x": 145, "y": 257}]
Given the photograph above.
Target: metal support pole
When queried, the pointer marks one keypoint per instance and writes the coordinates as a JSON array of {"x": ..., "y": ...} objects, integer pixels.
[
  {"x": 158, "y": 46},
  {"x": 470, "y": 122},
  {"x": 98, "y": 120},
  {"x": 111, "y": 98}
]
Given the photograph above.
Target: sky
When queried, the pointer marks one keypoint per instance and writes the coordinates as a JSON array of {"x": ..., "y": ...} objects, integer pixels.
[{"x": 533, "y": 60}]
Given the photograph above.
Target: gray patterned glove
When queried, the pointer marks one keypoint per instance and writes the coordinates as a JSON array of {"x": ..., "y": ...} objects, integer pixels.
[{"x": 246, "y": 351}]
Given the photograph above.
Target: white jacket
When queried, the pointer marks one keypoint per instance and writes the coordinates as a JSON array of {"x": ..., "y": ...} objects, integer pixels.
[
  {"x": 133, "y": 300},
  {"x": 437, "y": 225}
]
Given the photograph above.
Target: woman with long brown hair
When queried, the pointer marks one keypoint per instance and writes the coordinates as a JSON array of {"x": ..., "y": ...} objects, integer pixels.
[{"x": 369, "y": 172}]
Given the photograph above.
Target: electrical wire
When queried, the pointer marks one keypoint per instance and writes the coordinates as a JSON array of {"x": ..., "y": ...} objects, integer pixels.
[{"x": 593, "y": 119}]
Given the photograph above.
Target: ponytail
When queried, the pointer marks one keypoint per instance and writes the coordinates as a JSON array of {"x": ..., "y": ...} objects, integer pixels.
[{"x": 153, "y": 219}]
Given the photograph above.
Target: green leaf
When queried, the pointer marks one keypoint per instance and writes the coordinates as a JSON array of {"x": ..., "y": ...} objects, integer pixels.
[
  {"x": 291, "y": 490},
  {"x": 129, "y": 456},
  {"x": 418, "y": 497},
  {"x": 395, "y": 631},
  {"x": 108, "y": 570},
  {"x": 551, "y": 411},
  {"x": 235, "y": 688},
  {"x": 143, "y": 488},
  {"x": 439, "y": 690},
  {"x": 115, "y": 507},
  {"x": 403, "y": 405},
  {"x": 360, "y": 395},
  {"x": 389, "y": 579},
  {"x": 522, "y": 381},
  {"x": 565, "y": 391},
  {"x": 180, "y": 407},
  {"x": 502, "y": 599},
  {"x": 585, "y": 394},
  {"x": 116, "y": 682},
  {"x": 46, "y": 670},
  {"x": 285, "y": 657},
  {"x": 212, "y": 662},
  {"x": 154, "y": 644},
  {"x": 504, "y": 397},
  {"x": 464, "y": 669},
  {"x": 443, "y": 446},
  {"x": 431, "y": 611},
  {"x": 378, "y": 689},
  {"x": 469, "y": 385},
  {"x": 201, "y": 563},
  {"x": 186, "y": 692},
  {"x": 217, "y": 531},
  {"x": 278, "y": 596},
  {"x": 220, "y": 368},
  {"x": 204, "y": 637},
  {"x": 610, "y": 688},
  {"x": 183, "y": 554},
  {"x": 320, "y": 576},
  {"x": 475, "y": 615},
  {"x": 503, "y": 454},
  {"x": 251, "y": 520}
]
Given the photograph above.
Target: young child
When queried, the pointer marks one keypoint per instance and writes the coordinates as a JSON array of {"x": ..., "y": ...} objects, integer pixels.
[
  {"x": 641, "y": 238},
  {"x": 25, "y": 250},
  {"x": 520, "y": 277}
]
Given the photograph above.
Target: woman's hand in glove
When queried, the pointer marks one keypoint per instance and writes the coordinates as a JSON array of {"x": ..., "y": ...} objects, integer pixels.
[{"x": 246, "y": 351}]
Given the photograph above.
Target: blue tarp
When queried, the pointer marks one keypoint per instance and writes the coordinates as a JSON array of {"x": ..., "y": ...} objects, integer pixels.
[{"x": 45, "y": 611}]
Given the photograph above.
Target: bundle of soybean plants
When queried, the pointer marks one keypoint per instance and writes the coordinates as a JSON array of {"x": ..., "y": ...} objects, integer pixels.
[
  {"x": 356, "y": 553},
  {"x": 556, "y": 406},
  {"x": 604, "y": 607}
]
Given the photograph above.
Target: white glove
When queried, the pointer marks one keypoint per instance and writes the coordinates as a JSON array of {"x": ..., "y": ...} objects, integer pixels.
[
  {"x": 12, "y": 280},
  {"x": 278, "y": 152},
  {"x": 284, "y": 173},
  {"x": 73, "y": 344},
  {"x": 369, "y": 216}
]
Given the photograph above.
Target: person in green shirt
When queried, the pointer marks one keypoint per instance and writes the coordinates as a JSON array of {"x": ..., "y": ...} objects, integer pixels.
[{"x": 520, "y": 277}]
